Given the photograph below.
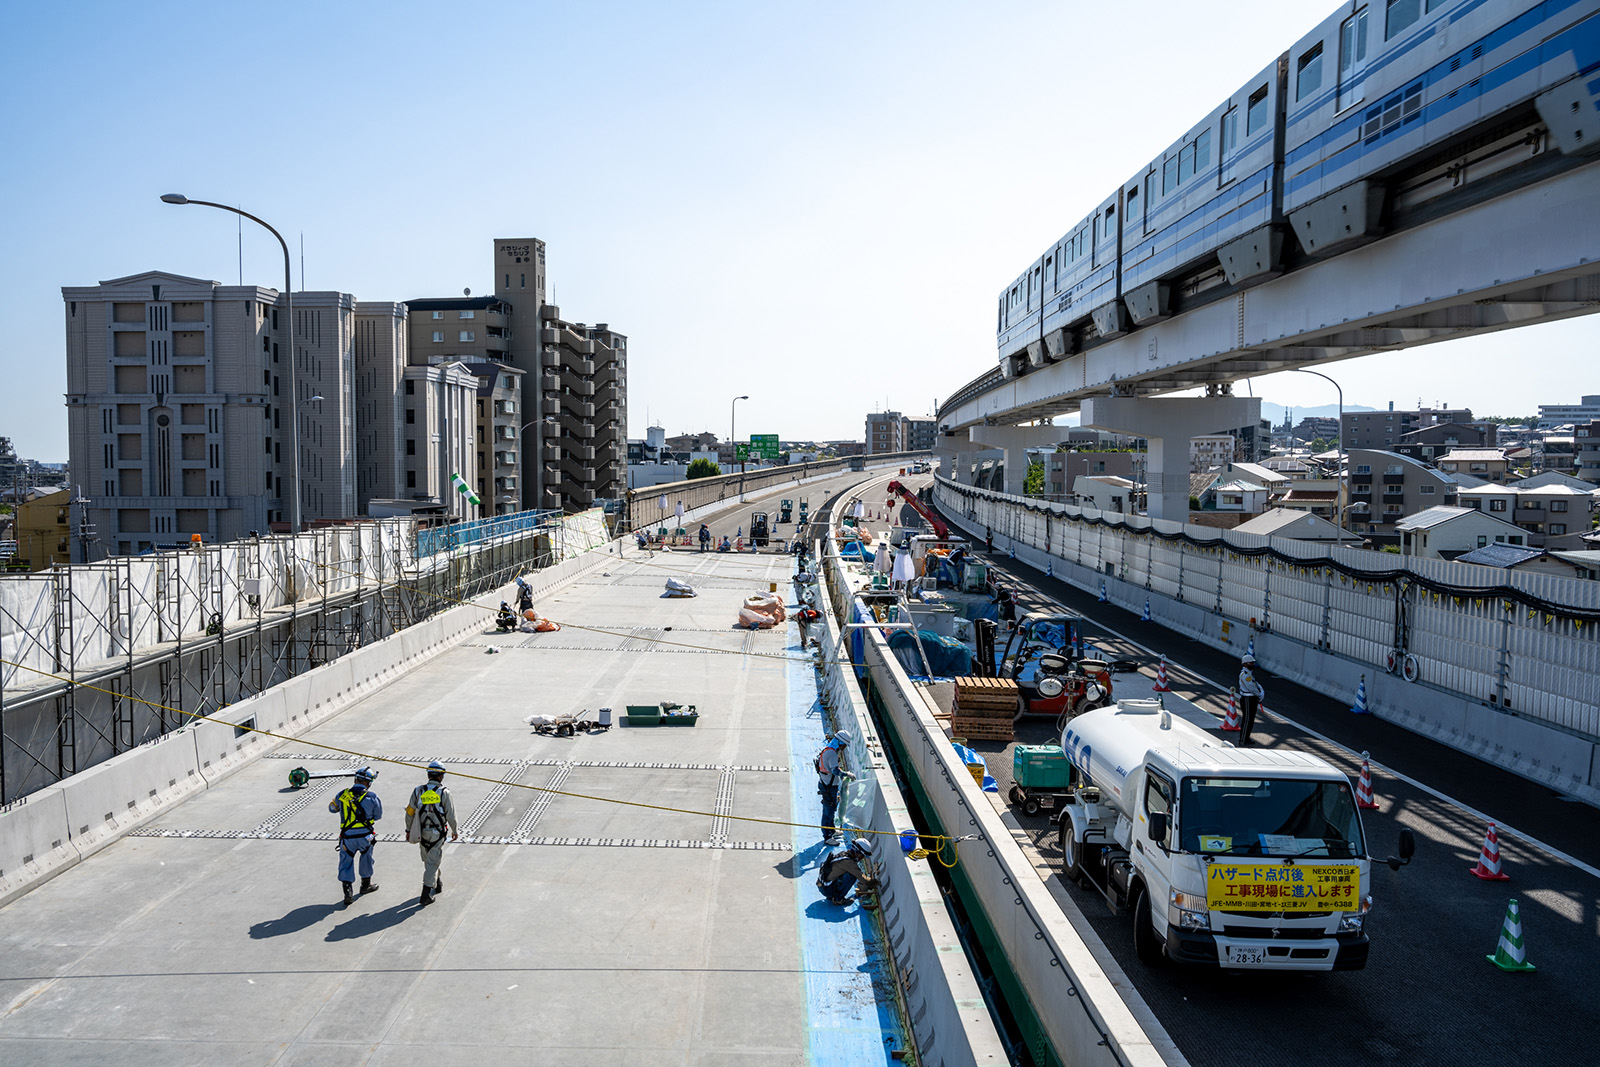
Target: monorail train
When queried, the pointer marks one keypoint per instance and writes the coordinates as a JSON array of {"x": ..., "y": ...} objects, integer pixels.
[{"x": 1387, "y": 114}]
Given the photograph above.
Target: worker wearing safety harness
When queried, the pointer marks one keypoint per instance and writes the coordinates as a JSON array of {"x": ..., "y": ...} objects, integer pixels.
[
  {"x": 358, "y": 808},
  {"x": 830, "y": 775},
  {"x": 1250, "y": 697},
  {"x": 429, "y": 813}
]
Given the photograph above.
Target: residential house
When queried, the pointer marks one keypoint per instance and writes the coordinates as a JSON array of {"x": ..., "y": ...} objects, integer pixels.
[
  {"x": 1448, "y": 532},
  {"x": 1485, "y": 464},
  {"x": 1579, "y": 564},
  {"x": 1385, "y": 487},
  {"x": 1297, "y": 525},
  {"x": 1104, "y": 492},
  {"x": 1432, "y": 442}
]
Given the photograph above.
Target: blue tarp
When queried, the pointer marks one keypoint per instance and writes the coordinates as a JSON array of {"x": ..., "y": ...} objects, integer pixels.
[
  {"x": 969, "y": 756},
  {"x": 947, "y": 657},
  {"x": 854, "y": 550}
]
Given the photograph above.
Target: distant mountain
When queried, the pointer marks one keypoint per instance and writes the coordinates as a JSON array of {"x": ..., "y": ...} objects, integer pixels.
[{"x": 1273, "y": 413}]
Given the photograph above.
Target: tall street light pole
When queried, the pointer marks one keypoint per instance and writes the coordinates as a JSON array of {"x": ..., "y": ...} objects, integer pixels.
[
  {"x": 733, "y": 437},
  {"x": 288, "y": 297},
  {"x": 538, "y": 455},
  {"x": 1344, "y": 471}
]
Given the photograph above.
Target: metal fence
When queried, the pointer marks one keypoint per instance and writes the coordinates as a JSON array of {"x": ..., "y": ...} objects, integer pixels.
[{"x": 1528, "y": 644}]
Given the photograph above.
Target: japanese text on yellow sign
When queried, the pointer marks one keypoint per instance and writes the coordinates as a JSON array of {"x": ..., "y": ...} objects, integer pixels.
[{"x": 1280, "y": 887}]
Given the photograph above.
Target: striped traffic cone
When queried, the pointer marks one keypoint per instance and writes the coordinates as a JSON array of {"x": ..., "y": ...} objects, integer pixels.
[
  {"x": 1364, "y": 786},
  {"x": 1360, "y": 707},
  {"x": 738, "y": 546},
  {"x": 1488, "y": 867},
  {"x": 1511, "y": 954},
  {"x": 1049, "y": 569},
  {"x": 1161, "y": 677},
  {"x": 1146, "y": 616},
  {"x": 1233, "y": 722},
  {"x": 1250, "y": 649},
  {"x": 1102, "y": 590}
]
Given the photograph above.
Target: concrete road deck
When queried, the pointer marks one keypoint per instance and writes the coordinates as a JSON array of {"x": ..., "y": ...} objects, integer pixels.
[{"x": 572, "y": 931}]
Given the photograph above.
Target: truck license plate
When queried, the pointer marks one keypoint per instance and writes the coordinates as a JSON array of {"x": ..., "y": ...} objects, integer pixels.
[{"x": 1244, "y": 957}]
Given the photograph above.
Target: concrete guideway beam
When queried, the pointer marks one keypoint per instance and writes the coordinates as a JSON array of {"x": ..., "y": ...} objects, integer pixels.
[
  {"x": 1165, "y": 421},
  {"x": 1015, "y": 442}
]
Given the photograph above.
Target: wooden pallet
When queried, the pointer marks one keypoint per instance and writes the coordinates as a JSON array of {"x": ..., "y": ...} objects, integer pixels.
[
  {"x": 981, "y": 729},
  {"x": 987, "y": 698}
]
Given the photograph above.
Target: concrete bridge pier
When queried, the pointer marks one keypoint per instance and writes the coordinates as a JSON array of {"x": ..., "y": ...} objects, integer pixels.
[
  {"x": 1164, "y": 422},
  {"x": 1015, "y": 441}
]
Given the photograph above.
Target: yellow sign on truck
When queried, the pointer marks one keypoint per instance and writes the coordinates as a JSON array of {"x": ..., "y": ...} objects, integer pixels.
[{"x": 1282, "y": 887}]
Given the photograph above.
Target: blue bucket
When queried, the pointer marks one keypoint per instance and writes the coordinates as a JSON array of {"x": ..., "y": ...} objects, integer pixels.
[{"x": 908, "y": 840}]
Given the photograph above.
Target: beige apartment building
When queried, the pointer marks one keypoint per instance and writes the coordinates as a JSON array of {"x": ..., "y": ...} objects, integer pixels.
[
  {"x": 380, "y": 356},
  {"x": 438, "y": 434},
  {"x": 499, "y": 431},
  {"x": 885, "y": 432}
]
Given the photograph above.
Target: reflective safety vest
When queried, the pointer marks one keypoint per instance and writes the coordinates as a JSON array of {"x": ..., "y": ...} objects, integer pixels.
[{"x": 352, "y": 816}]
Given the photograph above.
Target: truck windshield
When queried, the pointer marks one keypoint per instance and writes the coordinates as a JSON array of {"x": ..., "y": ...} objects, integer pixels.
[{"x": 1269, "y": 817}]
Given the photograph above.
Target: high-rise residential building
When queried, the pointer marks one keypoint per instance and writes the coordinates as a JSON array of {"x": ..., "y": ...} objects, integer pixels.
[
  {"x": 178, "y": 408},
  {"x": 380, "y": 355},
  {"x": 438, "y": 431},
  {"x": 499, "y": 431},
  {"x": 1586, "y": 436},
  {"x": 1384, "y": 429},
  {"x": 920, "y": 434},
  {"x": 1553, "y": 415},
  {"x": 885, "y": 432}
]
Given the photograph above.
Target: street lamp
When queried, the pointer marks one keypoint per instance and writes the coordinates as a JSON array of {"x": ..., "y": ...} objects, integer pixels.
[
  {"x": 733, "y": 437},
  {"x": 288, "y": 297},
  {"x": 1344, "y": 493},
  {"x": 538, "y": 457}
]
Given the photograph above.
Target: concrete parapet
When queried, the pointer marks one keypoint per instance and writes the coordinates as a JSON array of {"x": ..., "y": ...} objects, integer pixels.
[
  {"x": 37, "y": 844},
  {"x": 111, "y": 798}
]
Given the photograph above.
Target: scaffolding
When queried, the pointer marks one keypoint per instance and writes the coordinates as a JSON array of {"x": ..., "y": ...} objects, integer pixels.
[{"x": 99, "y": 658}]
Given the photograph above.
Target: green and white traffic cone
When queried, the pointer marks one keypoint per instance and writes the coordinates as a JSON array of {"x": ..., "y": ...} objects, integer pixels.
[{"x": 1511, "y": 954}]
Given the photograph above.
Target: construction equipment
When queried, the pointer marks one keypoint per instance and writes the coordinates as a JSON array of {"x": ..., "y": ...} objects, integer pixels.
[
  {"x": 1043, "y": 778},
  {"x": 940, "y": 530},
  {"x": 759, "y": 529},
  {"x": 299, "y": 776},
  {"x": 785, "y": 510}
]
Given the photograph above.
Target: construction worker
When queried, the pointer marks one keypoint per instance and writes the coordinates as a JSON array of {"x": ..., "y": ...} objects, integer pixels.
[
  {"x": 705, "y": 537},
  {"x": 358, "y": 808},
  {"x": 842, "y": 870},
  {"x": 524, "y": 595},
  {"x": 830, "y": 775},
  {"x": 505, "y": 619},
  {"x": 1250, "y": 695},
  {"x": 429, "y": 813}
]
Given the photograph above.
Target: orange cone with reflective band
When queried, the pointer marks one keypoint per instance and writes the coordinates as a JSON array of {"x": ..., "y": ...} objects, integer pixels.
[
  {"x": 1161, "y": 677},
  {"x": 1233, "y": 722},
  {"x": 1488, "y": 867},
  {"x": 738, "y": 546},
  {"x": 1364, "y": 786},
  {"x": 1511, "y": 954}
]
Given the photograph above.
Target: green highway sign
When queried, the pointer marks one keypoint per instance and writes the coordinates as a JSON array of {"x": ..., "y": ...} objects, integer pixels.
[{"x": 764, "y": 445}]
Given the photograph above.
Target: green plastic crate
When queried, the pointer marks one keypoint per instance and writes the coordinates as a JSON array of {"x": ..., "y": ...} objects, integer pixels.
[
  {"x": 685, "y": 717},
  {"x": 1041, "y": 767},
  {"x": 644, "y": 715}
]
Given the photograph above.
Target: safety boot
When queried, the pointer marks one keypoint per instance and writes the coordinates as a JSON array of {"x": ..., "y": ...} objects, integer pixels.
[
  {"x": 438, "y": 885},
  {"x": 427, "y": 897},
  {"x": 348, "y": 895},
  {"x": 368, "y": 885}
]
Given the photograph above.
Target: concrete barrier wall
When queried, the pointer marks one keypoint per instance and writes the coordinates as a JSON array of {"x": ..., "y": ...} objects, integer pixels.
[
  {"x": 1542, "y": 751},
  {"x": 950, "y": 1021},
  {"x": 52, "y": 829}
]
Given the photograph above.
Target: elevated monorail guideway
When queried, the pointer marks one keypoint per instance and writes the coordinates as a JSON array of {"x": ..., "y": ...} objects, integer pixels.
[{"x": 1392, "y": 180}]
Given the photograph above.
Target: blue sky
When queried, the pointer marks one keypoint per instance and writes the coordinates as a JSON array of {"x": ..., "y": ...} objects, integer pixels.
[{"x": 812, "y": 204}]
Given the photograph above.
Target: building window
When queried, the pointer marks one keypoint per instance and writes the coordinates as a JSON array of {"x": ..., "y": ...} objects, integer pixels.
[
  {"x": 1362, "y": 468},
  {"x": 1497, "y": 505},
  {"x": 438, "y": 314},
  {"x": 1558, "y": 505},
  {"x": 466, "y": 314},
  {"x": 411, "y": 387},
  {"x": 1426, "y": 490},
  {"x": 411, "y": 447},
  {"x": 411, "y": 479},
  {"x": 467, "y": 336},
  {"x": 523, "y": 284},
  {"x": 1482, "y": 540},
  {"x": 438, "y": 337},
  {"x": 411, "y": 416},
  {"x": 1557, "y": 529}
]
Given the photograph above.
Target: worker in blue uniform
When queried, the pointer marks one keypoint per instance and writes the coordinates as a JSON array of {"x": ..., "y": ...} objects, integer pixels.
[
  {"x": 841, "y": 871},
  {"x": 359, "y": 810},
  {"x": 830, "y": 776}
]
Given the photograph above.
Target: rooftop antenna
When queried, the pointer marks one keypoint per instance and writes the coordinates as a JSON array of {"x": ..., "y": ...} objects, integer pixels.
[
  {"x": 240, "y": 220},
  {"x": 302, "y": 261}
]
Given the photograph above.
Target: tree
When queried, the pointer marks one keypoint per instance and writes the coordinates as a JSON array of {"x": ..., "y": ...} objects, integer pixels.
[
  {"x": 1033, "y": 481},
  {"x": 702, "y": 468}
]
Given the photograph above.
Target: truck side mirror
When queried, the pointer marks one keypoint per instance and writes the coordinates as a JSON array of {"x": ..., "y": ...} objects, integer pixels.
[
  {"x": 1408, "y": 848},
  {"x": 1158, "y": 825}
]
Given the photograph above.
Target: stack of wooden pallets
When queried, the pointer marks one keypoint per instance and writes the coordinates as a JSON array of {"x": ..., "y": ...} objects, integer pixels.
[{"x": 984, "y": 709}]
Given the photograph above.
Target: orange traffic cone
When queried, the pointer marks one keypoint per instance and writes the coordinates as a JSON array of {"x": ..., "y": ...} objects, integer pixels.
[
  {"x": 738, "y": 546},
  {"x": 1364, "y": 786},
  {"x": 1161, "y": 677},
  {"x": 1488, "y": 867},
  {"x": 1232, "y": 722}
]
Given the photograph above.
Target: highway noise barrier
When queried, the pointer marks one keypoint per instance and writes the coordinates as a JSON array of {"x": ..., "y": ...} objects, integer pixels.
[
  {"x": 1146, "y": 616},
  {"x": 1102, "y": 590},
  {"x": 1232, "y": 722},
  {"x": 1360, "y": 706},
  {"x": 1161, "y": 677},
  {"x": 1488, "y": 867},
  {"x": 1511, "y": 954},
  {"x": 1364, "y": 786}
]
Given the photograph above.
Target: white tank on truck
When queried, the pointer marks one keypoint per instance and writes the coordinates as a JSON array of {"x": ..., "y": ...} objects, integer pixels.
[{"x": 1241, "y": 858}]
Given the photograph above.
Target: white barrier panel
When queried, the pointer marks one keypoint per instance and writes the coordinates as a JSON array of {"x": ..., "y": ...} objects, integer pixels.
[
  {"x": 35, "y": 841},
  {"x": 111, "y": 798},
  {"x": 223, "y": 749}
]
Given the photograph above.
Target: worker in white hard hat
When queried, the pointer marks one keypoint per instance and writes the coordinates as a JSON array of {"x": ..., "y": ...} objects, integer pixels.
[
  {"x": 1250, "y": 696},
  {"x": 359, "y": 809},
  {"x": 841, "y": 871},
  {"x": 830, "y": 776},
  {"x": 429, "y": 814}
]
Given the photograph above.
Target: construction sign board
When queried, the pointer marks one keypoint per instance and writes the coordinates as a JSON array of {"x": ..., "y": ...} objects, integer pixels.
[{"x": 1282, "y": 887}]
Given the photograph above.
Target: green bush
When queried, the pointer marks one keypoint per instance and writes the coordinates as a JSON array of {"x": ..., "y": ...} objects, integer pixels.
[{"x": 703, "y": 468}]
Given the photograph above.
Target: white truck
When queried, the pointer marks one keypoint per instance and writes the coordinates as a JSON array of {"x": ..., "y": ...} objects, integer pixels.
[{"x": 1240, "y": 858}]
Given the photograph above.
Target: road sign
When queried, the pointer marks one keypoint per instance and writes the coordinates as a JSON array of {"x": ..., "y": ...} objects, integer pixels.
[{"x": 764, "y": 445}]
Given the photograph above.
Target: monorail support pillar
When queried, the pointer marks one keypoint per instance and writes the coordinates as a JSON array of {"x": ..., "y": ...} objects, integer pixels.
[
  {"x": 1015, "y": 441},
  {"x": 1168, "y": 423}
]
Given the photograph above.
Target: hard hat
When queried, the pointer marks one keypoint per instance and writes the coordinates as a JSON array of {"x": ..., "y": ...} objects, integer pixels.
[
  {"x": 843, "y": 736},
  {"x": 862, "y": 844},
  {"x": 365, "y": 774},
  {"x": 436, "y": 766},
  {"x": 1248, "y": 658}
]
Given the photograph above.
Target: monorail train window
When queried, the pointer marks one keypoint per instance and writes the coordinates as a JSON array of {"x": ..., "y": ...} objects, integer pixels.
[
  {"x": 1202, "y": 150},
  {"x": 1230, "y": 143},
  {"x": 1185, "y": 163},
  {"x": 1256, "y": 113},
  {"x": 1133, "y": 202},
  {"x": 1169, "y": 175},
  {"x": 1308, "y": 73},
  {"x": 1353, "y": 45},
  {"x": 1400, "y": 14}
]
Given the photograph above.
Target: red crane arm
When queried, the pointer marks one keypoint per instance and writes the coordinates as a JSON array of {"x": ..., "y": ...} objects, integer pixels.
[{"x": 940, "y": 530}]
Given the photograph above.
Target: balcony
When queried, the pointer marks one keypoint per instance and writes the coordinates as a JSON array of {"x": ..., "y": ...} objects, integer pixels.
[
  {"x": 1361, "y": 479},
  {"x": 1394, "y": 479}
]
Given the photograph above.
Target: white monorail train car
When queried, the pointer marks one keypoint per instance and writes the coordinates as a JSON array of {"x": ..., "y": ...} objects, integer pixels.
[{"x": 1361, "y": 128}]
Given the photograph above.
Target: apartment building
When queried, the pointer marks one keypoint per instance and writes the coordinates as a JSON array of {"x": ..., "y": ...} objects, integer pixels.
[
  {"x": 439, "y": 435},
  {"x": 885, "y": 432},
  {"x": 1479, "y": 464},
  {"x": 1063, "y": 469},
  {"x": 498, "y": 436},
  {"x": 380, "y": 355},
  {"x": 920, "y": 434},
  {"x": 1209, "y": 451},
  {"x": 43, "y": 530},
  {"x": 178, "y": 409},
  {"x": 1432, "y": 442},
  {"x": 1586, "y": 441},
  {"x": 1385, "y": 429},
  {"x": 580, "y": 456},
  {"x": 1553, "y": 415},
  {"x": 1552, "y": 511},
  {"x": 1385, "y": 487}
]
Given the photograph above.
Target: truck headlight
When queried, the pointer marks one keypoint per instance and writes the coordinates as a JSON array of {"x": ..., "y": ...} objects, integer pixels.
[
  {"x": 1192, "y": 911},
  {"x": 1353, "y": 922}
]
